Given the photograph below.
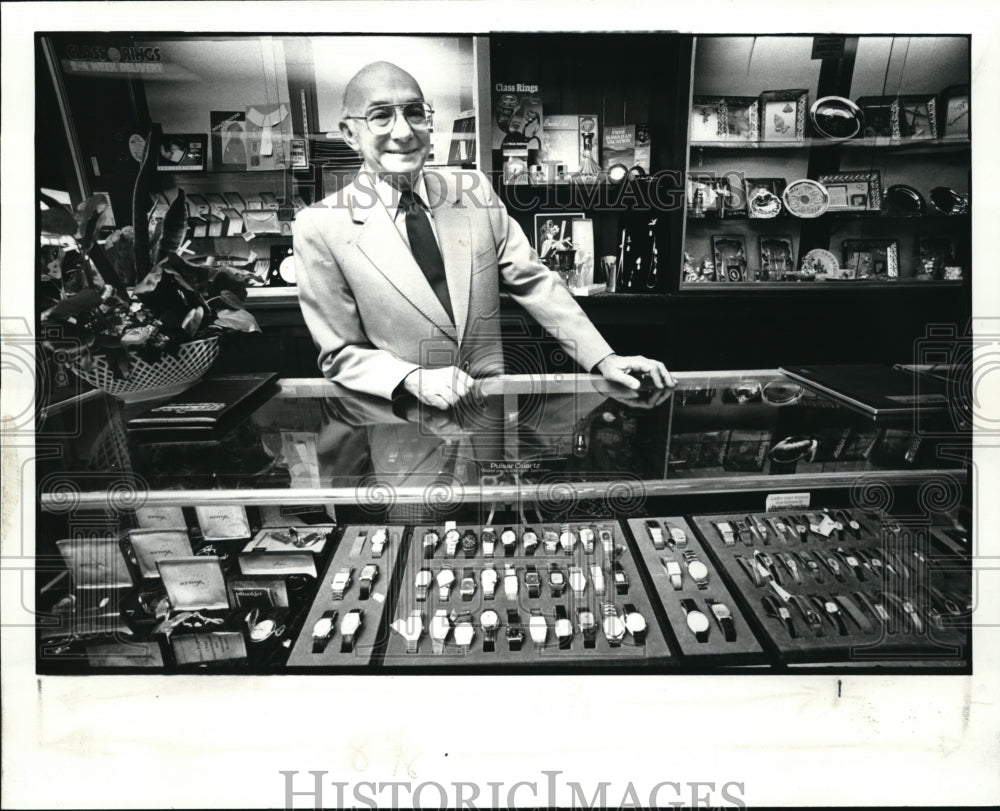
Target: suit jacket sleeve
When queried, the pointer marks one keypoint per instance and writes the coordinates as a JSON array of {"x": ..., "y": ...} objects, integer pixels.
[
  {"x": 346, "y": 355},
  {"x": 540, "y": 291}
]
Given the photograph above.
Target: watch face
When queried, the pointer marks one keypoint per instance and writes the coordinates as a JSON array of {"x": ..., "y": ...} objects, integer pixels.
[
  {"x": 508, "y": 537},
  {"x": 532, "y": 579},
  {"x": 620, "y": 577},
  {"x": 577, "y": 580},
  {"x": 557, "y": 578},
  {"x": 489, "y": 576},
  {"x": 698, "y": 570},
  {"x": 564, "y": 628},
  {"x": 464, "y": 632},
  {"x": 368, "y": 572},
  {"x": 586, "y": 535},
  {"x": 451, "y": 536},
  {"x": 445, "y": 577},
  {"x": 697, "y": 622},
  {"x": 530, "y": 537},
  {"x": 614, "y": 628},
  {"x": 636, "y": 623},
  {"x": 722, "y": 611},
  {"x": 468, "y": 584},
  {"x": 350, "y": 624},
  {"x": 262, "y": 630},
  {"x": 440, "y": 626},
  {"x": 587, "y": 620},
  {"x": 490, "y": 620},
  {"x": 430, "y": 538},
  {"x": 424, "y": 577},
  {"x": 323, "y": 627}
]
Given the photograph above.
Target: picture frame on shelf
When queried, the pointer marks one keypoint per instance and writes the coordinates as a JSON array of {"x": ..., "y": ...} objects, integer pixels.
[
  {"x": 783, "y": 115},
  {"x": 734, "y": 195},
  {"x": 955, "y": 112},
  {"x": 934, "y": 253},
  {"x": 742, "y": 119},
  {"x": 182, "y": 153},
  {"x": 729, "y": 253},
  {"x": 918, "y": 117},
  {"x": 550, "y": 230},
  {"x": 763, "y": 197},
  {"x": 704, "y": 195},
  {"x": 708, "y": 119},
  {"x": 870, "y": 259},
  {"x": 776, "y": 256},
  {"x": 881, "y": 118},
  {"x": 854, "y": 191}
]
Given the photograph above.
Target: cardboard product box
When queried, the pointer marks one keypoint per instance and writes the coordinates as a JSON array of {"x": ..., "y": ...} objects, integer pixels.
[
  {"x": 285, "y": 550},
  {"x": 561, "y": 141},
  {"x": 154, "y": 545}
]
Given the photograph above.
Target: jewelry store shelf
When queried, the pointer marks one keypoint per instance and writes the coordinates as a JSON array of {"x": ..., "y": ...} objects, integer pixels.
[
  {"x": 927, "y": 145},
  {"x": 847, "y": 284}
]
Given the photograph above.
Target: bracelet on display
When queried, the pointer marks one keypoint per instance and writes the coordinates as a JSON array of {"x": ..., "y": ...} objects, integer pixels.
[
  {"x": 674, "y": 572},
  {"x": 341, "y": 582},
  {"x": 656, "y": 534},
  {"x": 440, "y": 629},
  {"x": 451, "y": 539},
  {"x": 488, "y": 578},
  {"x": 567, "y": 539},
  {"x": 488, "y": 539},
  {"x": 379, "y": 540},
  {"x": 588, "y": 536},
  {"x": 464, "y": 630}
]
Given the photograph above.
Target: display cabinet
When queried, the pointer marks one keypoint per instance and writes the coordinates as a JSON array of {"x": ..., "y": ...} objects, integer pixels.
[
  {"x": 841, "y": 160},
  {"x": 320, "y": 529}
]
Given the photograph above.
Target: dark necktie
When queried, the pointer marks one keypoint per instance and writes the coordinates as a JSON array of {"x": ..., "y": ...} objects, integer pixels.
[{"x": 425, "y": 249}]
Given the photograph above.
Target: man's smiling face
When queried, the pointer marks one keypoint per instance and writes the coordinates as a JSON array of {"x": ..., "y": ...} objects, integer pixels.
[{"x": 402, "y": 150}]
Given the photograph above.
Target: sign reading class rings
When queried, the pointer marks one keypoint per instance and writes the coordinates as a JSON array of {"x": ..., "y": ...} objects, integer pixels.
[{"x": 124, "y": 53}]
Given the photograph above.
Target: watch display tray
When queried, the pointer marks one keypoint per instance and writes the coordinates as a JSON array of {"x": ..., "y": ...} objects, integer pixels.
[
  {"x": 655, "y": 647},
  {"x": 744, "y": 646},
  {"x": 911, "y": 558},
  {"x": 369, "y": 636}
]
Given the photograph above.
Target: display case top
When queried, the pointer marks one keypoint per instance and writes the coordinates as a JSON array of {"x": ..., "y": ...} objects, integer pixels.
[{"x": 541, "y": 438}]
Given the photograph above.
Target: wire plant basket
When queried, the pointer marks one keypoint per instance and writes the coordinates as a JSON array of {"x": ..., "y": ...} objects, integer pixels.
[{"x": 169, "y": 375}]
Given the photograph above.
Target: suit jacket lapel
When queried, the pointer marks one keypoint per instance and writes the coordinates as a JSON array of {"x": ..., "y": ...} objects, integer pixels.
[
  {"x": 382, "y": 245},
  {"x": 455, "y": 239}
]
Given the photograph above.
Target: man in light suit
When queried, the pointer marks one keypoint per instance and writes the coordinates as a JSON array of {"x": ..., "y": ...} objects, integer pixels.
[{"x": 399, "y": 273}]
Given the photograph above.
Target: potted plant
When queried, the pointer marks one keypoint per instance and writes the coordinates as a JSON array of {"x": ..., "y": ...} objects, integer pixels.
[{"x": 131, "y": 315}]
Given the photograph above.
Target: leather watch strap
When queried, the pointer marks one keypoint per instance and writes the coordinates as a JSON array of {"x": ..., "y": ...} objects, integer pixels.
[
  {"x": 359, "y": 543},
  {"x": 565, "y": 642},
  {"x": 723, "y": 616},
  {"x": 691, "y": 607},
  {"x": 319, "y": 643},
  {"x": 639, "y": 637},
  {"x": 514, "y": 621},
  {"x": 854, "y": 613},
  {"x": 533, "y": 582}
]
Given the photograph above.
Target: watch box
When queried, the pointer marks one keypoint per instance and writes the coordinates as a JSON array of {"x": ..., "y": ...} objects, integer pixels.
[
  {"x": 153, "y": 545},
  {"x": 285, "y": 550},
  {"x": 217, "y": 646},
  {"x": 194, "y": 584},
  {"x": 95, "y": 563},
  {"x": 159, "y": 517},
  {"x": 223, "y": 522}
]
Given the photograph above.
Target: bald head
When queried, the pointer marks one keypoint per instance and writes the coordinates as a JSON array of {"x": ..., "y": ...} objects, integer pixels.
[{"x": 378, "y": 82}]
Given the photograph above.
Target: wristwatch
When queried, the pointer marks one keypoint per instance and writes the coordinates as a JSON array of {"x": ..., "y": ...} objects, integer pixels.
[
  {"x": 906, "y": 609},
  {"x": 696, "y": 569},
  {"x": 467, "y": 588},
  {"x": 515, "y": 633},
  {"x": 776, "y": 610},
  {"x": 790, "y": 564},
  {"x": 750, "y": 568},
  {"x": 788, "y": 522},
  {"x": 852, "y": 562},
  {"x": 550, "y": 540},
  {"x": 379, "y": 540},
  {"x": 538, "y": 628},
  {"x": 577, "y": 582},
  {"x": 612, "y": 625},
  {"x": 445, "y": 579},
  {"x": 349, "y": 626},
  {"x": 369, "y": 574},
  {"x": 423, "y": 582},
  {"x": 567, "y": 539},
  {"x": 725, "y": 530},
  {"x": 489, "y": 621},
  {"x": 852, "y": 612},
  {"x": 760, "y": 528},
  {"x": 834, "y": 567},
  {"x": 635, "y": 623},
  {"x": 587, "y": 537},
  {"x": 875, "y": 610},
  {"x": 489, "y": 540},
  {"x": 440, "y": 628},
  {"x": 469, "y": 543},
  {"x": 656, "y": 534},
  {"x": 673, "y": 570},
  {"x": 451, "y": 539},
  {"x": 429, "y": 543},
  {"x": 323, "y": 630},
  {"x": 678, "y": 537},
  {"x": 723, "y": 618},
  {"x": 489, "y": 579},
  {"x": 809, "y": 615},
  {"x": 801, "y": 527},
  {"x": 597, "y": 578},
  {"x": 359, "y": 543},
  {"x": 832, "y": 612},
  {"x": 341, "y": 582},
  {"x": 530, "y": 540},
  {"x": 607, "y": 539},
  {"x": 564, "y": 628},
  {"x": 588, "y": 626},
  {"x": 743, "y": 533},
  {"x": 621, "y": 579},
  {"x": 532, "y": 582},
  {"x": 510, "y": 582},
  {"x": 846, "y": 518},
  {"x": 814, "y": 569},
  {"x": 411, "y": 629},
  {"x": 779, "y": 528},
  {"x": 464, "y": 631},
  {"x": 557, "y": 580},
  {"x": 509, "y": 540},
  {"x": 768, "y": 566},
  {"x": 838, "y": 525}
]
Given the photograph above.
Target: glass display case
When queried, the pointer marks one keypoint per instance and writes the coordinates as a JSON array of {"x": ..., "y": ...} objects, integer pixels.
[
  {"x": 841, "y": 160},
  {"x": 247, "y": 549}
]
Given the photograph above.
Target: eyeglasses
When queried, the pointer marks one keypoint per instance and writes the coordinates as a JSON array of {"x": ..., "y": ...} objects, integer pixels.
[{"x": 382, "y": 119}]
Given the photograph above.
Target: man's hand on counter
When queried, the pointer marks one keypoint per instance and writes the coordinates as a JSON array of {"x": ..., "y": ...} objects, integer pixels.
[
  {"x": 440, "y": 388},
  {"x": 629, "y": 369}
]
